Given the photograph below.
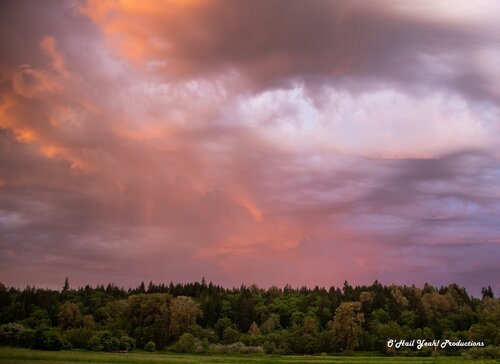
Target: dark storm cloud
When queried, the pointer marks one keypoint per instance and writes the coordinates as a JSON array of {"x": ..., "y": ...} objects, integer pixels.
[{"x": 276, "y": 43}]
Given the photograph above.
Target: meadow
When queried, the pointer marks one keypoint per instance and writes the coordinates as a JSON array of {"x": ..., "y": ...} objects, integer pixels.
[{"x": 18, "y": 355}]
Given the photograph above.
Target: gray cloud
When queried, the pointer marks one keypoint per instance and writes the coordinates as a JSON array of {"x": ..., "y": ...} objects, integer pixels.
[
  {"x": 275, "y": 44},
  {"x": 116, "y": 168}
]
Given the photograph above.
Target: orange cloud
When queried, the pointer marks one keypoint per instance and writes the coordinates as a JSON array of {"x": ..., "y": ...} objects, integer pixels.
[
  {"x": 249, "y": 206},
  {"x": 77, "y": 164},
  {"x": 143, "y": 134},
  {"x": 35, "y": 107},
  {"x": 58, "y": 63},
  {"x": 30, "y": 82}
]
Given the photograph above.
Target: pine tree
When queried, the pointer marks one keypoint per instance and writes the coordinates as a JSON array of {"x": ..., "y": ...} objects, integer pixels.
[{"x": 66, "y": 285}]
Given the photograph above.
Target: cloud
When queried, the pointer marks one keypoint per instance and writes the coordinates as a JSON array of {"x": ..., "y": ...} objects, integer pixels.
[
  {"x": 258, "y": 142},
  {"x": 279, "y": 43}
]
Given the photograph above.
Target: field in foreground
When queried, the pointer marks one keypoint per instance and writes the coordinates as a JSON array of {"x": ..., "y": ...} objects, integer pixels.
[{"x": 16, "y": 356}]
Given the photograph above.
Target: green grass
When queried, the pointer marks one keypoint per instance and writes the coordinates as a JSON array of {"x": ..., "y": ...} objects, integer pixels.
[{"x": 18, "y": 356}]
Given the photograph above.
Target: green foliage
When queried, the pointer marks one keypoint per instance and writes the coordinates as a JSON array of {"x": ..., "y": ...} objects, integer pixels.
[
  {"x": 11, "y": 334},
  {"x": 207, "y": 335},
  {"x": 88, "y": 322},
  {"x": 49, "y": 339},
  {"x": 269, "y": 347},
  {"x": 270, "y": 325},
  {"x": 69, "y": 315},
  {"x": 383, "y": 332},
  {"x": 407, "y": 318},
  {"x": 304, "y": 339},
  {"x": 280, "y": 340},
  {"x": 37, "y": 318},
  {"x": 346, "y": 325},
  {"x": 201, "y": 317},
  {"x": 79, "y": 338},
  {"x": 183, "y": 313},
  {"x": 235, "y": 348},
  {"x": 221, "y": 325},
  {"x": 104, "y": 341},
  {"x": 187, "y": 343},
  {"x": 127, "y": 343},
  {"x": 230, "y": 335},
  {"x": 487, "y": 332},
  {"x": 487, "y": 352},
  {"x": 150, "y": 346},
  {"x": 148, "y": 318},
  {"x": 487, "y": 292},
  {"x": 490, "y": 311}
]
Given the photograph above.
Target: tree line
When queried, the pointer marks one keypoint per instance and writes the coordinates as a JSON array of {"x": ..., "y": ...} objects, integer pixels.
[{"x": 203, "y": 318}]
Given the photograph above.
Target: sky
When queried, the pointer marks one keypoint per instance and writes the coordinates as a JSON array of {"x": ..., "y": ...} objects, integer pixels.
[{"x": 255, "y": 141}]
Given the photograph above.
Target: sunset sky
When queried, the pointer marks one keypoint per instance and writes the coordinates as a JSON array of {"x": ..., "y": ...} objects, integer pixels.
[{"x": 250, "y": 141}]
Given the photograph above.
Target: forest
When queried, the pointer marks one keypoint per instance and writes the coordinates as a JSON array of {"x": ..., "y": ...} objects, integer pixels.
[{"x": 202, "y": 317}]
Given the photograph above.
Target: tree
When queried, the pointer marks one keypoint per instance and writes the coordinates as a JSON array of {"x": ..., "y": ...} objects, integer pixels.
[
  {"x": 254, "y": 329},
  {"x": 289, "y": 320},
  {"x": 66, "y": 285},
  {"x": 221, "y": 325},
  {"x": 487, "y": 329},
  {"x": 149, "y": 318},
  {"x": 490, "y": 311},
  {"x": 270, "y": 324},
  {"x": 305, "y": 337},
  {"x": 188, "y": 344},
  {"x": 183, "y": 313},
  {"x": 230, "y": 335},
  {"x": 207, "y": 335},
  {"x": 69, "y": 315},
  {"x": 397, "y": 303},
  {"x": 310, "y": 325},
  {"x": 347, "y": 290},
  {"x": 487, "y": 292},
  {"x": 88, "y": 322},
  {"x": 346, "y": 325},
  {"x": 366, "y": 299},
  {"x": 38, "y": 317}
]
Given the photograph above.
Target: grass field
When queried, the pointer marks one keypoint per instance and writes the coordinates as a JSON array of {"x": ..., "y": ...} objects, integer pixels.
[{"x": 17, "y": 356}]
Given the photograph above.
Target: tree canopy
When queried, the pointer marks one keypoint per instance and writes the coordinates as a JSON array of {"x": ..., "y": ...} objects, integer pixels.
[{"x": 199, "y": 317}]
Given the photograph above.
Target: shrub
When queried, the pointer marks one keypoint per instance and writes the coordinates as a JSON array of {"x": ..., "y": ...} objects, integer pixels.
[
  {"x": 425, "y": 351},
  {"x": 188, "y": 344},
  {"x": 150, "y": 346},
  {"x": 250, "y": 340},
  {"x": 11, "y": 333},
  {"x": 127, "y": 343},
  {"x": 203, "y": 334},
  {"x": 27, "y": 338},
  {"x": 230, "y": 335},
  {"x": 236, "y": 348},
  {"x": 79, "y": 338},
  {"x": 104, "y": 341},
  {"x": 269, "y": 347},
  {"x": 95, "y": 344},
  {"x": 49, "y": 339},
  {"x": 487, "y": 352}
]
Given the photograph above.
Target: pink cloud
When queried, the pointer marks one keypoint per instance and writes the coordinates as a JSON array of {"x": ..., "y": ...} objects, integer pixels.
[{"x": 298, "y": 144}]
